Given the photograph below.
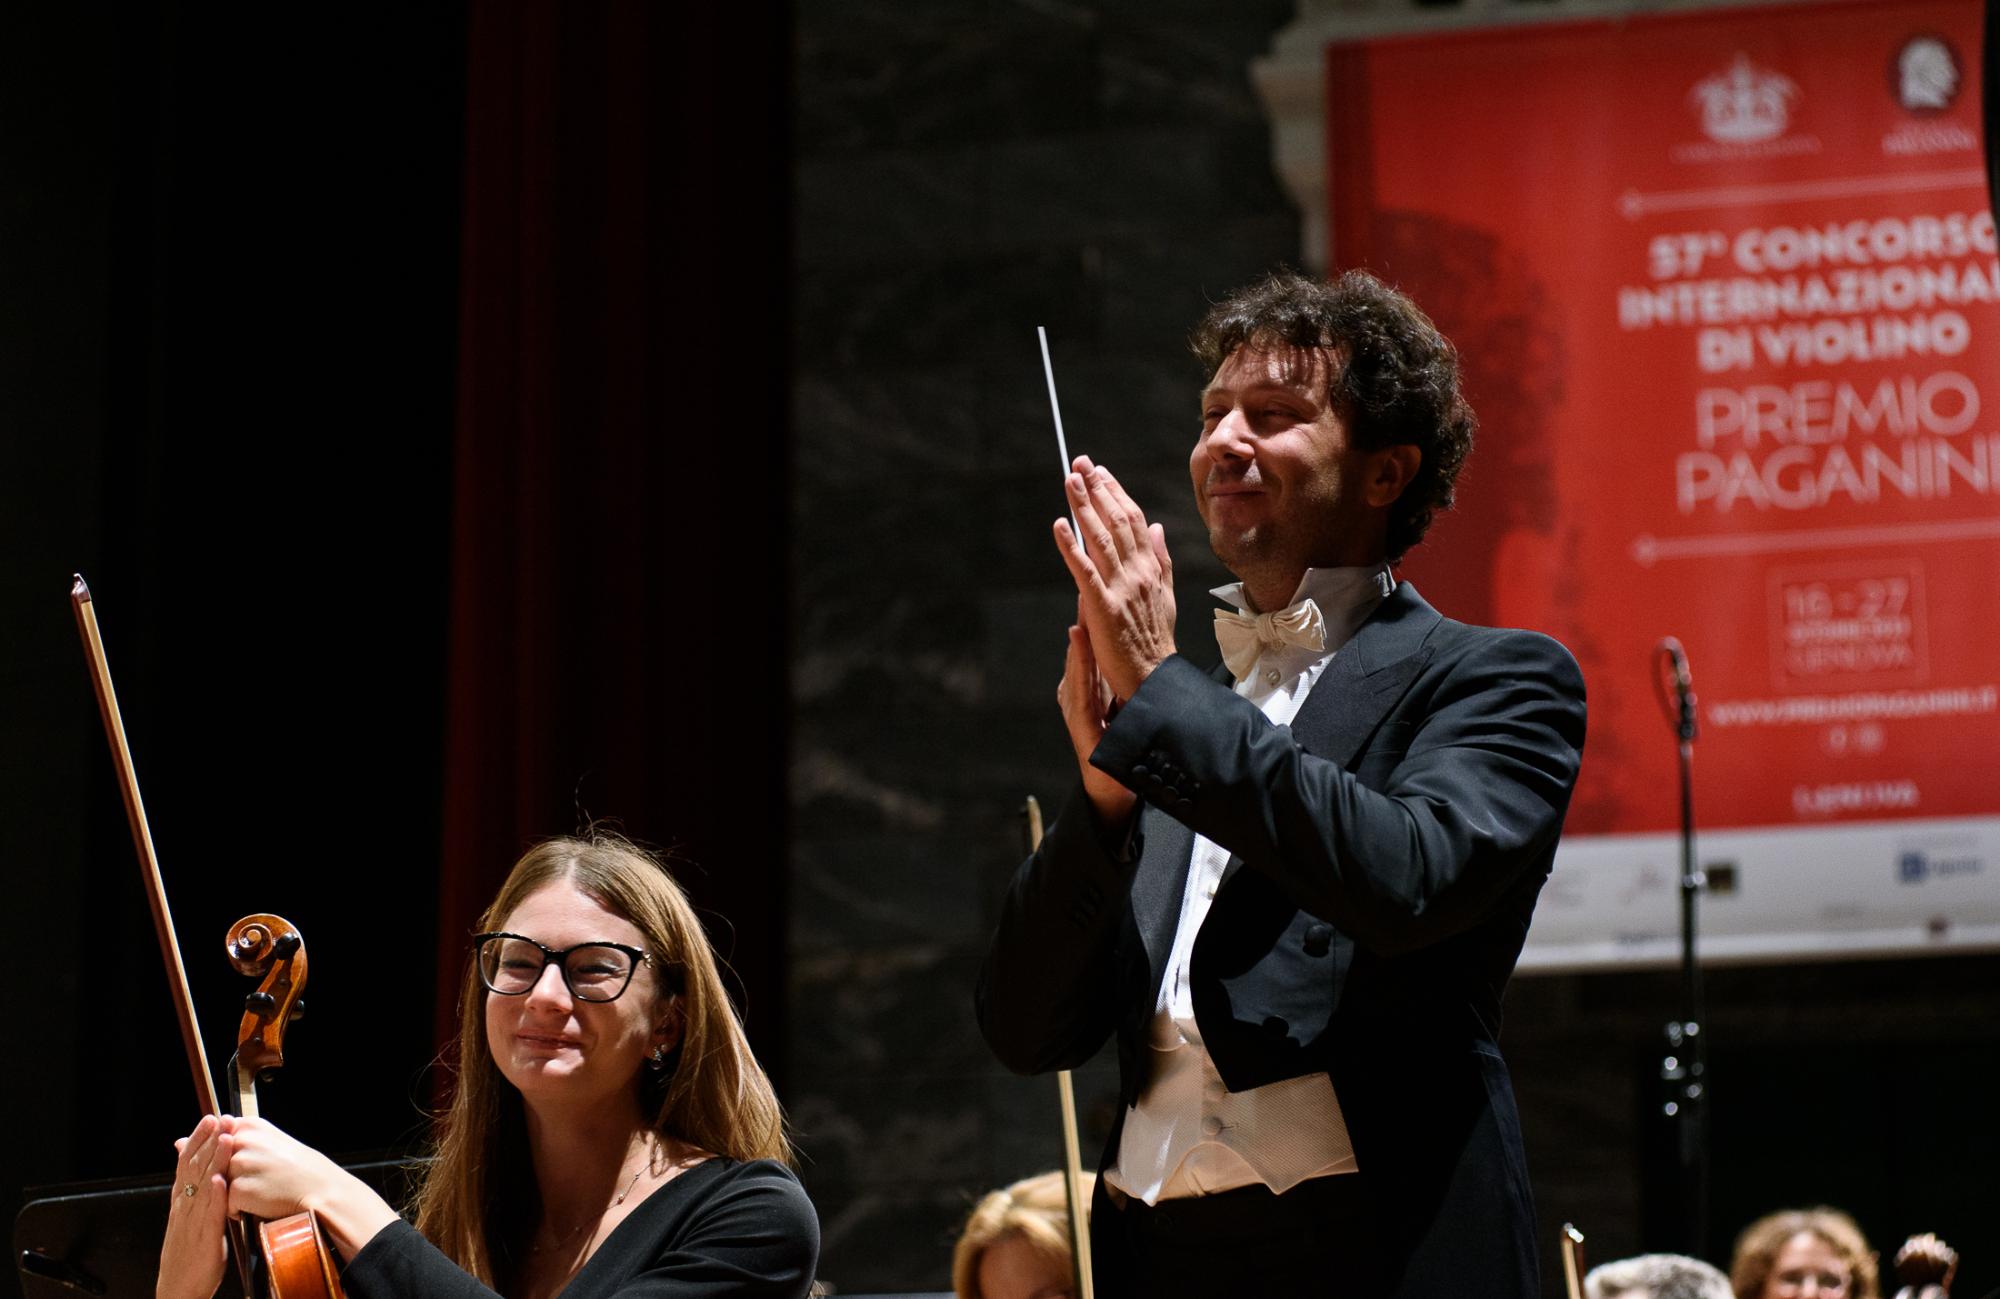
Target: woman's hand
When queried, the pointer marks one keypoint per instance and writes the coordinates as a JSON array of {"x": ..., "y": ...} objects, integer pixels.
[
  {"x": 196, "y": 1252},
  {"x": 273, "y": 1175}
]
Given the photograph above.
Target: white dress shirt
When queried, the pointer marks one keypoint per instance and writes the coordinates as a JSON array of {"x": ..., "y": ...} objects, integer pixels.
[{"x": 1188, "y": 1134}]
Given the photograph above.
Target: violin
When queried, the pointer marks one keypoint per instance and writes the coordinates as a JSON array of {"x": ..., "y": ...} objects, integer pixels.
[
  {"x": 296, "y": 1263},
  {"x": 291, "y": 1259},
  {"x": 1925, "y": 1268}
]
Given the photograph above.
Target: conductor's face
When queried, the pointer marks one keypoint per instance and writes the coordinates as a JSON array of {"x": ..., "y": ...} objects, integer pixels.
[
  {"x": 554, "y": 1046},
  {"x": 1276, "y": 477}
]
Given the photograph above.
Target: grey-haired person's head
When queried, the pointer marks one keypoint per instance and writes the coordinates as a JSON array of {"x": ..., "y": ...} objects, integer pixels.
[{"x": 1656, "y": 1276}]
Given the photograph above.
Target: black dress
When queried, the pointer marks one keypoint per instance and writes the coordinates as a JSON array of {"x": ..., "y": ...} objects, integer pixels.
[{"x": 722, "y": 1228}]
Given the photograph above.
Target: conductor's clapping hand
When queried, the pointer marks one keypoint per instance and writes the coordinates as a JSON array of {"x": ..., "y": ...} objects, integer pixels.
[{"x": 1124, "y": 619}]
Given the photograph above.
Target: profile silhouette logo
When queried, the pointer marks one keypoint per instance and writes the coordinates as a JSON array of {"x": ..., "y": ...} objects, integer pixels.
[{"x": 1927, "y": 76}]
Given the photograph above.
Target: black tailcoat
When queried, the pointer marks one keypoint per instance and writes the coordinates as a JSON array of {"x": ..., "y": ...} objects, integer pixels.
[{"x": 1387, "y": 849}]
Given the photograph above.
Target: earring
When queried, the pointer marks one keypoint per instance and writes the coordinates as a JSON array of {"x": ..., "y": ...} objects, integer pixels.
[{"x": 658, "y": 1060}]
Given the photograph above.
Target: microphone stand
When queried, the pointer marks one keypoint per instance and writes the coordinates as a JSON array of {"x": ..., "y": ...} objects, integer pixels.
[{"x": 1684, "y": 1068}]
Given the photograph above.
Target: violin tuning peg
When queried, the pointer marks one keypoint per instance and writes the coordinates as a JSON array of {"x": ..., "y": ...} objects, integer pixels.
[
  {"x": 260, "y": 1003},
  {"x": 266, "y": 1077},
  {"x": 288, "y": 942},
  {"x": 298, "y": 1011}
]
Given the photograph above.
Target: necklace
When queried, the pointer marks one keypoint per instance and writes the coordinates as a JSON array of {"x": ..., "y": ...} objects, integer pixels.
[
  {"x": 628, "y": 1189},
  {"x": 573, "y": 1232}
]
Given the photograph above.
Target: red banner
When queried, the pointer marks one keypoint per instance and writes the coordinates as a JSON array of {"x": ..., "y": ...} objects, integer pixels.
[{"x": 1726, "y": 289}]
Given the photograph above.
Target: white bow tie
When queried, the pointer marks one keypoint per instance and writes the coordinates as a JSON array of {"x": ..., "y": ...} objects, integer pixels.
[{"x": 1243, "y": 636}]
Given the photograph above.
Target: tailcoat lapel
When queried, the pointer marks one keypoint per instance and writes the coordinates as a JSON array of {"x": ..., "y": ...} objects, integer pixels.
[
  {"x": 1358, "y": 690},
  {"x": 1362, "y": 684},
  {"x": 1158, "y": 885},
  {"x": 1367, "y": 677}
]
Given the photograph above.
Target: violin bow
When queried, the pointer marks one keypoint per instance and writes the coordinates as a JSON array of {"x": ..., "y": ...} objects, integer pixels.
[
  {"x": 258, "y": 945},
  {"x": 1079, "y": 1227},
  {"x": 142, "y": 839},
  {"x": 1571, "y": 1242}
]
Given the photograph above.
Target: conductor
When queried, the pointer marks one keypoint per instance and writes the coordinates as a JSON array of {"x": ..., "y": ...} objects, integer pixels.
[{"x": 1294, "y": 887}]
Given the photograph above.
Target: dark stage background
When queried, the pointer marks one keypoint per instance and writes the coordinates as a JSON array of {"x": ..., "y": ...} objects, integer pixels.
[
  {"x": 408, "y": 384},
  {"x": 472, "y": 418}
]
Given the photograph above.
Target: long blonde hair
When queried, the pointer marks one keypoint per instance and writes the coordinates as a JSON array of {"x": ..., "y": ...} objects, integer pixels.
[{"x": 477, "y": 1194}]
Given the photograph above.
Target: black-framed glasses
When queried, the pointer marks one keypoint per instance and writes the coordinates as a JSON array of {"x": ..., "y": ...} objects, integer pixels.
[{"x": 510, "y": 965}]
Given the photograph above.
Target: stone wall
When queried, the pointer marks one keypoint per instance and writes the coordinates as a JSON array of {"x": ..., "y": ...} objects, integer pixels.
[{"x": 965, "y": 173}]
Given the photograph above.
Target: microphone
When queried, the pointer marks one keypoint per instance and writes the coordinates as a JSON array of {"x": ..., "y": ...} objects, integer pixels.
[{"x": 1683, "y": 683}]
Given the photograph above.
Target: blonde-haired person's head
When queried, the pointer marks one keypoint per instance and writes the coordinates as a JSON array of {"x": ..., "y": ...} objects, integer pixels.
[
  {"x": 1797, "y": 1252},
  {"x": 1017, "y": 1239}
]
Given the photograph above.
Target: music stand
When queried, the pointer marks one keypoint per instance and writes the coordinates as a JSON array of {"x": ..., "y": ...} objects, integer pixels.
[{"x": 103, "y": 1238}]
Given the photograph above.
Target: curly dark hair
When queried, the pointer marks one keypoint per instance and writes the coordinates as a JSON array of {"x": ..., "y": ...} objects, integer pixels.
[
  {"x": 1757, "y": 1250},
  {"x": 1398, "y": 384}
]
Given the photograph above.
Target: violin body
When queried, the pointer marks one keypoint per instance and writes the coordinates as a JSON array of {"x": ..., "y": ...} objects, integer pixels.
[{"x": 297, "y": 1262}]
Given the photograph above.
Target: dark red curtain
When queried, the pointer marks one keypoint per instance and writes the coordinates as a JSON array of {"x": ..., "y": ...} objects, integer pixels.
[{"x": 616, "y": 650}]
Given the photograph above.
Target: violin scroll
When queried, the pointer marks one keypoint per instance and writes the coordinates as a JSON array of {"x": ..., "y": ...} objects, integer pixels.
[
  {"x": 292, "y": 1260},
  {"x": 1926, "y": 1267},
  {"x": 267, "y": 948}
]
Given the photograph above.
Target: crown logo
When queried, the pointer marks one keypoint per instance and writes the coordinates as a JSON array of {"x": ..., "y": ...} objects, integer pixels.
[{"x": 1745, "y": 104}]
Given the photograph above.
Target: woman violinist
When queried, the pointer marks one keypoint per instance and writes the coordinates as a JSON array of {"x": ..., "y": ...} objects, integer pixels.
[{"x": 610, "y": 1132}]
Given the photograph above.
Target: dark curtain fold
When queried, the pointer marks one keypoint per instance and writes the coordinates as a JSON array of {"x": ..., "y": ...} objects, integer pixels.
[
  {"x": 226, "y": 360},
  {"x": 617, "y": 541}
]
